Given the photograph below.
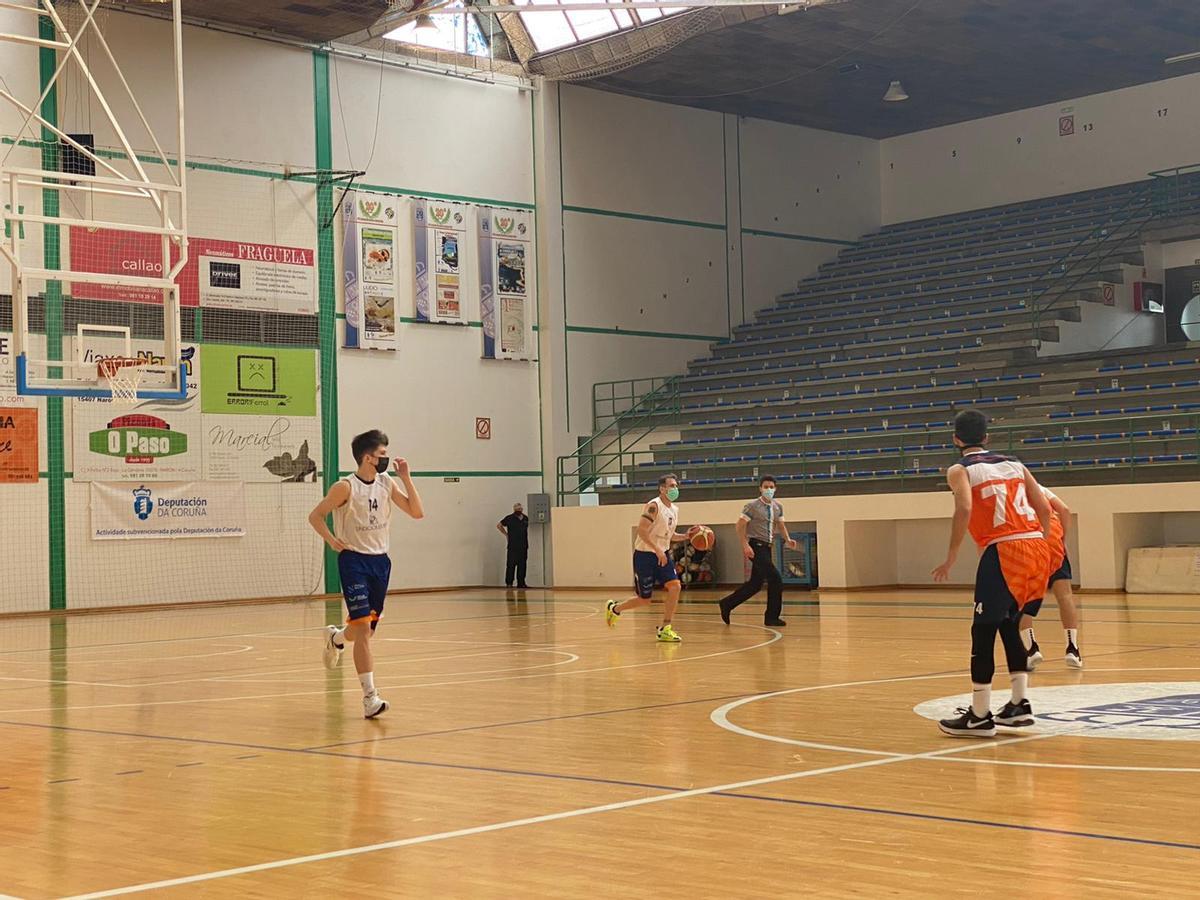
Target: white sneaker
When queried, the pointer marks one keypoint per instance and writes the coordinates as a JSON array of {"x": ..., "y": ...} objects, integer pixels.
[
  {"x": 1074, "y": 660},
  {"x": 1034, "y": 656},
  {"x": 374, "y": 705},
  {"x": 332, "y": 654}
]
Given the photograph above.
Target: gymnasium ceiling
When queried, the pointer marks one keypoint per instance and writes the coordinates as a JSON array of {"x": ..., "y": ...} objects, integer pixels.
[
  {"x": 958, "y": 60},
  {"x": 309, "y": 20}
]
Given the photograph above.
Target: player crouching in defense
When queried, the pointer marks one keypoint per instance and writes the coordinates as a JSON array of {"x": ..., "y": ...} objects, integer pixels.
[
  {"x": 1003, "y": 507},
  {"x": 652, "y": 564},
  {"x": 362, "y": 509}
]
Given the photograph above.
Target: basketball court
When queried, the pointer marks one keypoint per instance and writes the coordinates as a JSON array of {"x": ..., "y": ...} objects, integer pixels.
[
  {"x": 531, "y": 751},
  {"x": 192, "y": 342}
]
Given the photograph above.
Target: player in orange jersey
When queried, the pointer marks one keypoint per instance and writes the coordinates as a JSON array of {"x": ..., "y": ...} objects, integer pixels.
[
  {"x": 1004, "y": 509},
  {"x": 1060, "y": 587}
]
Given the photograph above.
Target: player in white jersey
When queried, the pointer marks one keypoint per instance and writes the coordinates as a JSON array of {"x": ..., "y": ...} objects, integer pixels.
[
  {"x": 652, "y": 565},
  {"x": 361, "y": 505}
]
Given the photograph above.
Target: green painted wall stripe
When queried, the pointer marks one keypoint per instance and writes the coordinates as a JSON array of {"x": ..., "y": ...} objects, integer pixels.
[
  {"x": 759, "y": 232},
  {"x": 194, "y": 165},
  {"x": 326, "y": 294},
  {"x": 51, "y": 247},
  {"x": 640, "y": 217},
  {"x": 725, "y": 198},
  {"x": 409, "y": 320},
  {"x": 435, "y": 195},
  {"x": 628, "y": 332},
  {"x": 562, "y": 225},
  {"x": 474, "y": 473},
  {"x": 741, "y": 219}
]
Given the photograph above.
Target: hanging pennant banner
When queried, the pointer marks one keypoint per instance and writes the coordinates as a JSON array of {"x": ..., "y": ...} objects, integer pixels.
[
  {"x": 369, "y": 270},
  {"x": 438, "y": 231},
  {"x": 505, "y": 281}
]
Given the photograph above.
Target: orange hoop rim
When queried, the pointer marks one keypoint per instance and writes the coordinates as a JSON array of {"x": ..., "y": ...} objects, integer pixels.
[{"x": 107, "y": 368}]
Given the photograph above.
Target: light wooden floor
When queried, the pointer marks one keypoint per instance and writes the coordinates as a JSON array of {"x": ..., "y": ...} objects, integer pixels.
[{"x": 530, "y": 752}]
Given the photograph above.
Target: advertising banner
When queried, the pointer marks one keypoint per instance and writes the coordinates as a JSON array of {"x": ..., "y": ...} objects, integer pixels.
[
  {"x": 369, "y": 270},
  {"x": 229, "y": 274},
  {"x": 261, "y": 448},
  {"x": 153, "y": 441},
  {"x": 18, "y": 445},
  {"x": 506, "y": 272},
  {"x": 258, "y": 381},
  {"x": 200, "y": 509},
  {"x": 438, "y": 231}
]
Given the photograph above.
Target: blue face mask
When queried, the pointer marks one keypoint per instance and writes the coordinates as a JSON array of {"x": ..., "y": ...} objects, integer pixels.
[
  {"x": 768, "y": 493},
  {"x": 673, "y": 494}
]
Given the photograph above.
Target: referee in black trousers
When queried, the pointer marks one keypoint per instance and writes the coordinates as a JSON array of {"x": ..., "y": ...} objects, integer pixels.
[{"x": 757, "y": 526}]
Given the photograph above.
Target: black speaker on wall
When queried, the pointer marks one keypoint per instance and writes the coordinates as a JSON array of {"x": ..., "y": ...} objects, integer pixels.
[{"x": 71, "y": 161}]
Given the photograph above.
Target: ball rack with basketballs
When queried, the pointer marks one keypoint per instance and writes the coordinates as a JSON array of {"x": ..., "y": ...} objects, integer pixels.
[{"x": 694, "y": 560}]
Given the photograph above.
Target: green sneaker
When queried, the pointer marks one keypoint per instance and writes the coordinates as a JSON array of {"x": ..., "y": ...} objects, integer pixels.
[
  {"x": 610, "y": 614},
  {"x": 667, "y": 635}
]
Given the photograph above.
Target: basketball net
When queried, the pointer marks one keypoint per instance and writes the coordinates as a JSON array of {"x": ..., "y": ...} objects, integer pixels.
[{"x": 123, "y": 374}]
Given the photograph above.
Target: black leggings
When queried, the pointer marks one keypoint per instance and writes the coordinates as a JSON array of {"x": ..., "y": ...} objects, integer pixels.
[{"x": 983, "y": 649}]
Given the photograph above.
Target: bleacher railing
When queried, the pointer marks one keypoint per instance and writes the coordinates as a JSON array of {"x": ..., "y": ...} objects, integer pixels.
[
  {"x": 613, "y": 399},
  {"x": 1088, "y": 257},
  {"x": 1112, "y": 449},
  {"x": 1169, "y": 194},
  {"x": 627, "y": 428},
  {"x": 1173, "y": 190}
]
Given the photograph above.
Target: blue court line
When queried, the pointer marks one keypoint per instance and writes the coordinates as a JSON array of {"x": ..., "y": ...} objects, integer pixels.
[
  {"x": 544, "y": 719},
  {"x": 957, "y": 820},
  {"x": 984, "y": 823}
]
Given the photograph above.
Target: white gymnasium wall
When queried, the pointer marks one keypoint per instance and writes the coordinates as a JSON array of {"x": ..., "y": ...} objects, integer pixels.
[
  {"x": 679, "y": 223},
  {"x": 19, "y": 66},
  {"x": 627, "y": 166},
  {"x": 251, "y": 104},
  {"x": 800, "y": 189},
  {"x": 476, "y": 143},
  {"x": 245, "y": 99},
  {"x": 1119, "y": 137}
]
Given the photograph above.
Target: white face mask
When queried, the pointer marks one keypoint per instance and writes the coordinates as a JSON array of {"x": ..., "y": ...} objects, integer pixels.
[{"x": 768, "y": 493}]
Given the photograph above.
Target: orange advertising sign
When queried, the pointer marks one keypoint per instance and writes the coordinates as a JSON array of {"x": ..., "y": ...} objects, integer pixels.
[{"x": 18, "y": 445}]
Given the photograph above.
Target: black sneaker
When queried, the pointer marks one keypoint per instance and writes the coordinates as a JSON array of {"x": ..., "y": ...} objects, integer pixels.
[
  {"x": 775, "y": 623},
  {"x": 1074, "y": 660},
  {"x": 1033, "y": 656},
  {"x": 969, "y": 725},
  {"x": 725, "y": 611},
  {"x": 1016, "y": 715}
]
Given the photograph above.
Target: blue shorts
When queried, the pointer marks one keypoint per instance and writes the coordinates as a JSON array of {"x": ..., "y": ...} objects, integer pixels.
[
  {"x": 364, "y": 583},
  {"x": 648, "y": 574}
]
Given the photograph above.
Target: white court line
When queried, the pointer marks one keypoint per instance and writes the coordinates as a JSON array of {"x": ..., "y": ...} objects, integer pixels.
[
  {"x": 317, "y": 669},
  {"x": 570, "y": 658},
  {"x": 241, "y": 648},
  {"x": 720, "y": 717},
  {"x": 775, "y": 636},
  {"x": 549, "y": 817}
]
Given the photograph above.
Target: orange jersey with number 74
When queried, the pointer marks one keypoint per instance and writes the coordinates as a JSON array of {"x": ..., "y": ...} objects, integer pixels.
[{"x": 1000, "y": 511}]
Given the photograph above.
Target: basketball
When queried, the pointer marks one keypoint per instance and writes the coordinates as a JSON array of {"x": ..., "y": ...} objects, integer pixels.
[{"x": 704, "y": 539}]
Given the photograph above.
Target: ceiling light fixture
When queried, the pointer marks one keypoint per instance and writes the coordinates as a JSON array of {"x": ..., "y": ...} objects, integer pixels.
[
  {"x": 425, "y": 23},
  {"x": 895, "y": 93}
]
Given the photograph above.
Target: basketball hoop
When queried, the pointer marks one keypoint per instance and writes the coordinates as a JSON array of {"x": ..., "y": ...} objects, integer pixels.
[{"x": 123, "y": 375}]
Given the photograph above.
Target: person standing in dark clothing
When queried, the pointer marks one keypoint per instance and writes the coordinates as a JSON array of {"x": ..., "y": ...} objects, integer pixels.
[
  {"x": 757, "y": 526},
  {"x": 516, "y": 529}
]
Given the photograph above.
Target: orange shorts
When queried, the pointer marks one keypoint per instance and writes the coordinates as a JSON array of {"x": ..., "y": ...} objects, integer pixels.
[
  {"x": 1012, "y": 579},
  {"x": 1058, "y": 547},
  {"x": 1026, "y": 565}
]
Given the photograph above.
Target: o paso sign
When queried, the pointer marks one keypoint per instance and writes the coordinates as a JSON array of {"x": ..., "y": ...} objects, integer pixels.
[{"x": 138, "y": 438}]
